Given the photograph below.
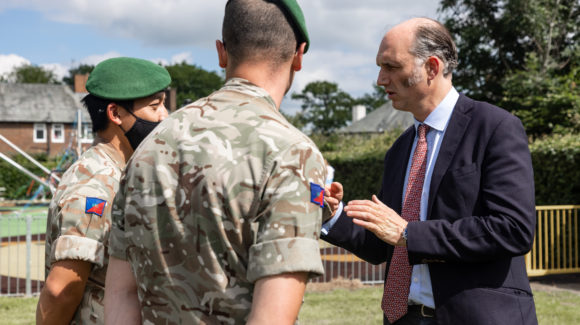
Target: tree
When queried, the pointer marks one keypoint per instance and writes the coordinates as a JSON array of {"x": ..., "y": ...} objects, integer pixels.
[
  {"x": 33, "y": 74},
  {"x": 324, "y": 106},
  {"x": 545, "y": 101},
  {"x": 81, "y": 69},
  {"x": 192, "y": 82},
  {"x": 375, "y": 99},
  {"x": 494, "y": 38}
]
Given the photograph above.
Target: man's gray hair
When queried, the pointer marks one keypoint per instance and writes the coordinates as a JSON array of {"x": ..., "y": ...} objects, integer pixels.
[{"x": 433, "y": 39}]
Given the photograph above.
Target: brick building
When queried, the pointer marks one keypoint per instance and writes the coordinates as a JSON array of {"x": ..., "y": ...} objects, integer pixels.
[{"x": 42, "y": 118}]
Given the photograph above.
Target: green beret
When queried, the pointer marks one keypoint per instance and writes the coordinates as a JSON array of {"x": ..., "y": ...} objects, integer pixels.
[
  {"x": 296, "y": 18},
  {"x": 127, "y": 78}
]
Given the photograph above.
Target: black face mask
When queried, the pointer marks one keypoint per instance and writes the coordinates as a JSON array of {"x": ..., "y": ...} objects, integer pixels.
[{"x": 139, "y": 131}]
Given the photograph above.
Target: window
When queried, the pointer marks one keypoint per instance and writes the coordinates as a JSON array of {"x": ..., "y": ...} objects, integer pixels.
[
  {"x": 58, "y": 133},
  {"x": 87, "y": 133},
  {"x": 39, "y": 132}
]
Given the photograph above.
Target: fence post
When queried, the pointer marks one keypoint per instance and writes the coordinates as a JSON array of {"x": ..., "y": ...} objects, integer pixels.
[{"x": 28, "y": 254}]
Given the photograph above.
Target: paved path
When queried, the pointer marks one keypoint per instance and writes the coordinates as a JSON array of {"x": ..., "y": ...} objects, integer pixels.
[{"x": 560, "y": 282}]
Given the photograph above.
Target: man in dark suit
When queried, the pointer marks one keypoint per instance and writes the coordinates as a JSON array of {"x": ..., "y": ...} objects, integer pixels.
[{"x": 455, "y": 213}]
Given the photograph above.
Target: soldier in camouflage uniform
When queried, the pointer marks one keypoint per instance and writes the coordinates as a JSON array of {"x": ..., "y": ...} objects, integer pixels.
[
  {"x": 125, "y": 94},
  {"x": 219, "y": 211}
]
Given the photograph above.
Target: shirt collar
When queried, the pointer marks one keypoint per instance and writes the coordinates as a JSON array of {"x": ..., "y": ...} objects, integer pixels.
[{"x": 440, "y": 116}]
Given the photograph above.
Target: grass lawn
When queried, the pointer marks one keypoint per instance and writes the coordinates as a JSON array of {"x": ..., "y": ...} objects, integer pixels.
[
  {"x": 362, "y": 307},
  {"x": 343, "y": 306},
  {"x": 17, "y": 311}
]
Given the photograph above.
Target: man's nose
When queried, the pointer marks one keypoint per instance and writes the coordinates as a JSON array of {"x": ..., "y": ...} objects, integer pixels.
[
  {"x": 383, "y": 79},
  {"x": 163, "y": 113}
]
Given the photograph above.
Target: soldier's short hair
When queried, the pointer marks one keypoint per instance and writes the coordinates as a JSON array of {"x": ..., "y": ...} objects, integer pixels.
[
  {"x": 257, "y": 30},
  {"x": 97, "y": 108}
]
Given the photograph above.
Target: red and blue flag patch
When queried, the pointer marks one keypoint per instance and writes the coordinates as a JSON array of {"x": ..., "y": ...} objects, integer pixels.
[
  {"x": 317, "y": 194},
  {"x": 95, "y": 206}
]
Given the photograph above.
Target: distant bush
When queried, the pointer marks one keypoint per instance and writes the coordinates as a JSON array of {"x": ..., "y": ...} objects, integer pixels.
[
  {"x": 556, "y": 162},
  {"x": 357, "y": 160},
  {"x": 358, "y": 164}
]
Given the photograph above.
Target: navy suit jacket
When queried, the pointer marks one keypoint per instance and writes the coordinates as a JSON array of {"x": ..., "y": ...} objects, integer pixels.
[{"x": 480, "y": 218}]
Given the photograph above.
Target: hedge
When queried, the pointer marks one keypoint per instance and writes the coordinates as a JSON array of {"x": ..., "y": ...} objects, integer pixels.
[
  {"x": 557, "y": 169},
  {"x": 358, "y": 164}
]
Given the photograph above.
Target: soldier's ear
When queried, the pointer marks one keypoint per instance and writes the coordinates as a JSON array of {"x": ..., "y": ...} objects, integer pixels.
[
  {"x": 113, "y": 113},
  {"x": 297, "y": 60},
  {"x": 222, "y": 54}
]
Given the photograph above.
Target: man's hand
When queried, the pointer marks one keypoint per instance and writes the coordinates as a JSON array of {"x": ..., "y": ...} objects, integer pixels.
[
  {"x": 333, "y": 194},
  {"x": 378, "y": 218}
]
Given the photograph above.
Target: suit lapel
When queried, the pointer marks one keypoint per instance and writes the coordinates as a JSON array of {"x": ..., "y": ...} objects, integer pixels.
[
  {"x": 394, "y": 170},
  {"x": 453, "y": 135}
]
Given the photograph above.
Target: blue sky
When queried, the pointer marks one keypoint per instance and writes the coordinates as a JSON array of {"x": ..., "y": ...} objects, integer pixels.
[{"x": 60, "y": 34}]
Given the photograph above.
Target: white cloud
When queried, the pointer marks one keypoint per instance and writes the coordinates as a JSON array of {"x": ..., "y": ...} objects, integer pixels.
[
  {"x": 60, "y": 71},
  {"x": 331, "y": 23},
  {"x": 97, "y": 58},
  {"x": 10, "y": 61},
  {"x": 153, "y": 22},
  {"x": 181, "y": 57},
  {"x": 344, "y": 33},
  {"x": 352, "y": 71}
]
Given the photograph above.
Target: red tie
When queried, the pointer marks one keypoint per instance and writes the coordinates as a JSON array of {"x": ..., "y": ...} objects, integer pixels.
[{"x": 396, "y": 293}]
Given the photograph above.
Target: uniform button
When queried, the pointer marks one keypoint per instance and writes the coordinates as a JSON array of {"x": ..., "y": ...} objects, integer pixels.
[{"x": 415, "y": 280}]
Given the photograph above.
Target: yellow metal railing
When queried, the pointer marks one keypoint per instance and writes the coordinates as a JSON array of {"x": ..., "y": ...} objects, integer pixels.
[{"x": 555, "y": 248}]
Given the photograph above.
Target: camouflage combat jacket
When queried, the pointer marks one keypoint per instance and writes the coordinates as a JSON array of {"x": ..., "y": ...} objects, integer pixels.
[
  {"x": 223, "y": 192},
  {"x": 79, "y": 220}
]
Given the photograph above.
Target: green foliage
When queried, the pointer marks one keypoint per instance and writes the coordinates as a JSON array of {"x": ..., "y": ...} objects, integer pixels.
[
  {"x": 545, "y": 101},
  {"x": 357, "y": 160},
  {"x": 373, "y": 100},
  {"x": 494, "y": 37},
  {"x": 556, "y": 173},
  {"x": 192, "y": 82},
  {"x": 324, "y": 106},
  {"x": 33, "y": 74},
  {"x": 17, "y": 183},
  {"x": 81, "y": 69}
]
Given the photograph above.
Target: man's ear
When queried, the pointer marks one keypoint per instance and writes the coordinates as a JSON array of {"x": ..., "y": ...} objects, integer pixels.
[
  {"x": 297, "y": 60},
  {"x": 113, "y": 113},
  {"x": 433, "y": 66},
  {"x": 222, "y": 54}
]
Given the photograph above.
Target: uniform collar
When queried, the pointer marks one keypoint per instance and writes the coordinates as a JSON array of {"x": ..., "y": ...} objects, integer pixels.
[
  {"x": 110, "y": 151},
  {"x": 246, "y": 87}
]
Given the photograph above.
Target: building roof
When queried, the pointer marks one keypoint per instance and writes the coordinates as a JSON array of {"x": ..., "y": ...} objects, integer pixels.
[
  {"x": 39, "y": 103},
  {"x": 382, "y": 119}
]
